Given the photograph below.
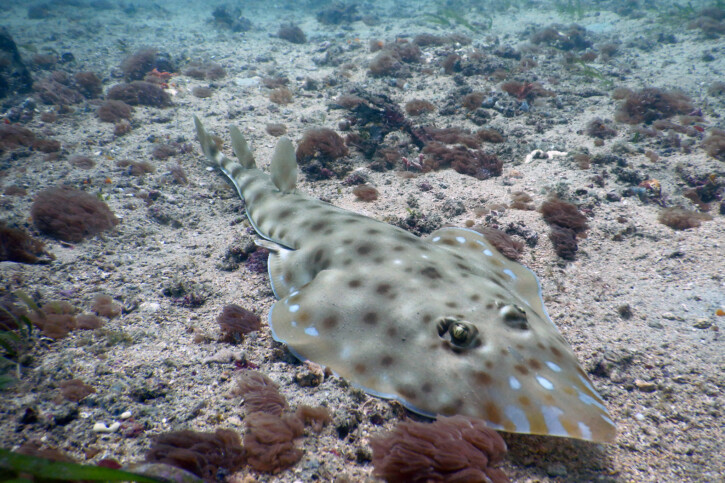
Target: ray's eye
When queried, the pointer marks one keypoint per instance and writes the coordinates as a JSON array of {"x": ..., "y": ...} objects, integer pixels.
[
  {"x": 514, "y": 316},
  {"x": 460, "y": 334}
]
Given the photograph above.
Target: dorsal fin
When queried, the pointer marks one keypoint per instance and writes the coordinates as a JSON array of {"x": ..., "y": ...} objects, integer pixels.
[
  {"x": 207, "y": 143},
  {"x": 241, "y": 148},
  {"x": 284, "y": 166}
]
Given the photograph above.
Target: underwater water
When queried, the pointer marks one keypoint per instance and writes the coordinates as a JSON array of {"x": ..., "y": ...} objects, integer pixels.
[{"x": 510, "y": 211}]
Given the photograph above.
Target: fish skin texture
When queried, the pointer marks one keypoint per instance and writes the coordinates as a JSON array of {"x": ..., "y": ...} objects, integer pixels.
[{"x": 444, "y": 324}]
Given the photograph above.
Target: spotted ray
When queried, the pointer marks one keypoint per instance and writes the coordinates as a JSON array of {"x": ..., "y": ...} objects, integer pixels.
[{"x": 445, "y": 325}]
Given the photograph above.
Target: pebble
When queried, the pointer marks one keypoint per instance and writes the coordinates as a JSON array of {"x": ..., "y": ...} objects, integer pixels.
[
  {"x": 556, "y": 469},
  {"x": 639, "y": 417},
  {"x": 645, "y": 386},
  {"x": 702, "y": 324},
  {"x": 100, "y": 427},
  {"x": 126, "y": 414}
]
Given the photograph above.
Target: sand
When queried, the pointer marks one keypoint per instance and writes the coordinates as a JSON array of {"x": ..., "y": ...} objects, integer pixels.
[{"x": 637, "y": 304}]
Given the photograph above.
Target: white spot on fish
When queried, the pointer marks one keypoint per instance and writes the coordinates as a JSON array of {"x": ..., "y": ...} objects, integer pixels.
[
  {"x": 586, "y": 432},
  {"x": 586, "y": 384},
  {"x": 312, "y": 331},
  {"x": 586, "y": 399},
  {"x": 293, "y": 323},
  {"x": 508, "y": 272},
  {"x": 294, "y": 294},
  {"x": 460, "y": 239},
  {"x": 551, "y": 417},
  {"x": 514, "y": 383},
  {"x": 437, "y": 239},
  {"x": 488, "y": 252},
  {"x": 545, "y": 383},
  {"x": 553, "y": 366},
  {"x": 605, "y": 418},
  {"x": 425, "y": 256},
  {"x": 480, "y": 243},
  {"x": 518, "y": 417},
  {"x": 397, "y": 261},
  {"x": 294, "y": 308}
]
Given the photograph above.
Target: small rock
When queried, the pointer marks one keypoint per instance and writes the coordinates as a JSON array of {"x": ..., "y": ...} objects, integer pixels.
[
  {"x": 702, "y": 324},
  {"x": 224, "y": 356},
  {"x": 645, "y": 386},
  {"x": 670, "y": 316},
  {"x": 655, "y": 324},
  {"x": 100, "y": 427},
  {"x": 126, "y": 414},
  {"x": 556, "y": 470},
  {"x": 311, "y": 376}
]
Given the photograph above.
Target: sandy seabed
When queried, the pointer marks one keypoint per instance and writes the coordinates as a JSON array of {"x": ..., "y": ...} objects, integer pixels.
[{"x": 639, "y": 299}]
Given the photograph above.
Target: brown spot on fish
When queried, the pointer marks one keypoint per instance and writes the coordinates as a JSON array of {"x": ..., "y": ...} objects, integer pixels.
[
  {"x": 387, "y": 361},
  {"x": 482, "y": 378},
  {"x": 534, "y": 364},
  {"x": 330, "y": 322},
  {"x": 364, "y": 249},
  {"x": 521, "y": 369},
  {"x": 431, "y": 272},
  {"x": 370, "y": 318}
]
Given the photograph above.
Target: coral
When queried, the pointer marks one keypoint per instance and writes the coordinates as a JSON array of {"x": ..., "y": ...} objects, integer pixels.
[
  {"x": 257, "y": 260},
  {"x": 274, "y": 82},
  {"x": 473, "y": 100},
  {"x": 416, "y": 107},
  {"x": 260, "y": 394},
  {"x": 15, "y": 77},
  {"x": 13, "y": 137},
  {"x": 449, "y": 135},
  {"x": 348, "y": 101},
  {"x": 70, "y": 215},
  {"x": 88, "y": 322},
  {"x": 163, "y": 151},
  {"x": 427, "y": 40},
  {"x": 407, "y": 52},
  {"x": 137, "y": 65},
  {"x": 82, "y": 162},
  {"x": 490, "y": 135},
  {"x": 385, "y": 63},
  {"x": 74, "y": 390},
  {"x": 474, "y": 163},
  {"x": 509, "y": 247},
  {"x": 317, "y": 417},
  {"x": 178, "y": 175},
  {"x": 563, "y": 38},
  {"x": 292, "y": 33},
  {"x": 208, "y": 455},
  {"x": 54, "y": 319},
  {"x": 140, "y": 93},
  {"x": 269, "y": 441},
  {"x": 525, "y": 90},
  {"x": 281, "y": 95},
  {"x": 51, "y": 91},
  {"x": 275, "y": 129},
  {"x": 597, "y": 128},
  {"x": 206, "y": 70},
  {"x": 46, "y": 145},
  {"x": 338, "y": 13},
  {"x": 564, "y": 241},
  {"x": 122, "y": 128},
  {"x": 521, "y": 201},
  {"x": 135, "y": 168},
  {"x": 450, "y": 449},
  {"x": 320, "y": 143},
  {"x": 103, "y": 305},
  {"x": 235, "y": 322},
  {"x": 201, "y": 92},
  {"x": 564, "y": 214},
  {"x": 682, "y": 219},
  {"x": 714, "y": 144},
  {"x": 649, "y": 104},
  {"x": 17, "y": 246},
  {"x": 88, "y": 84},
  {"x": 113, "y": 111},
  {"x": 231, "y": 18},
  {"x": 365, "y": 192},
  {"x": 565, "y": 221}
]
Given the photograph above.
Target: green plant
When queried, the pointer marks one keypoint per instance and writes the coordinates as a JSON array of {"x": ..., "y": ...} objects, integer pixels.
[
  {"x": 16, "y": 343},
  {"x": 449, "y": 18},
  {"x": 13, "y": 465}
]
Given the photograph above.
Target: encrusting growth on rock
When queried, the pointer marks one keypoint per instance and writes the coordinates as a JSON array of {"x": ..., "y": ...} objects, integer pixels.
[{"x": 451, "y": 449}]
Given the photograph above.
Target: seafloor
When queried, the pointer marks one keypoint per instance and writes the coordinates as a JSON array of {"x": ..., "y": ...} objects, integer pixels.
[{"x": 640, "y": 302}]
